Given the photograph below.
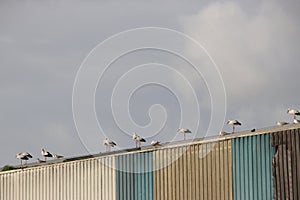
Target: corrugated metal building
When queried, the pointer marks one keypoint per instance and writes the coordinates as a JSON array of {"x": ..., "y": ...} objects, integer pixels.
[
  {"x": 286, "y": 164},
  {"x": 260, "y": 165}
]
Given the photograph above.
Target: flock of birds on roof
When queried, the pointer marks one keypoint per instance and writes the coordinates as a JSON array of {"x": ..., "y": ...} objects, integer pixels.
[
  {"x": 138, "y": 140},
  {"x": 46, "y": 154}
]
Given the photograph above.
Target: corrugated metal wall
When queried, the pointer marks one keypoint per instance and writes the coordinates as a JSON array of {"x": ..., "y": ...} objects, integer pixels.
[
  {"x": 134, "y": 176},
  {"x": 237, "y": 167},
  {"x": 195, "y": 172},
  {"x": 286, "y": 164},
  {"x": 86, "y": 179},
  {"x": 252, "y": 167}
]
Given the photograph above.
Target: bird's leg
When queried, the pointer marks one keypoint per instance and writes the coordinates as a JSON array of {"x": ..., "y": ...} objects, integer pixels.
[
  {"x": 294, "y": 116},
  {"x": 233, "y": 129}
]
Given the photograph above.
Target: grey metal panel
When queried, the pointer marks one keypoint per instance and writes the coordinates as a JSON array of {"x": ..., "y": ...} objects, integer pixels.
[{"x": 286, "y": 164}]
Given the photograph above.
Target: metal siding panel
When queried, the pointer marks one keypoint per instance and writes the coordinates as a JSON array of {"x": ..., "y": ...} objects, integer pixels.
[
  {"x": 134, "y": 181},
  {"x": 286, "y": 164},
  {"x": 58, "y": 181},
  {"x": 297, "y": 162},
  {"x": 252, "y": 167},
  {"x": 197, "y": 171}
]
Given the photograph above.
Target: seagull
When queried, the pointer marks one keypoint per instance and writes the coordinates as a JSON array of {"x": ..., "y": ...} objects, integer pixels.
[
  {"x": 253, "y": 130},
  {"x": 23, "y": 156},
  {"x": 46, "y": 154},
  {"x": 222, "y": 133},
  {"x": 155, "y": 143},
  {"x": 281, "y": 123},
  {"x": 108, "y": 143},
  {"x": 293, "y": 112},
  {"x": 184, "y": 131},
  {"x": 138, "y": 140},
  {"x": 233, "y": 123},
  {"x": 57, "y": 156},
  {"x": 40, "y": 161},
  {"x": 296, "y": 121}
]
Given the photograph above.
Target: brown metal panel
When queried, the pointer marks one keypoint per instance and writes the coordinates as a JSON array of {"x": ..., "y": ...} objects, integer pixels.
[
  {"x": 286, "y": 164},
  {"x": 294, "y": 164},
  {"x": 297, "y": 139},
  {"x": 289, "y": 157}
]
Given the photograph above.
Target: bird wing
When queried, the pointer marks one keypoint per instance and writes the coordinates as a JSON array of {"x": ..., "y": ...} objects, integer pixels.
[{"x": 142, "y": 140}]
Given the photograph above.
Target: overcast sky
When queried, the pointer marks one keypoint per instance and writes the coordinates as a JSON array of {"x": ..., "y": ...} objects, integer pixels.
[{"x": 255, "y": 45}]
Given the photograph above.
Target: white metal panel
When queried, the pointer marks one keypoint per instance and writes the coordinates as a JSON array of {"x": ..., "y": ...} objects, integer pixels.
[{"x": 88, "y": 179}]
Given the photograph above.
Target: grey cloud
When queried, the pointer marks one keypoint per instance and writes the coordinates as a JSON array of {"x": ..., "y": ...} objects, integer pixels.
[{"x": 43, "y": 43}]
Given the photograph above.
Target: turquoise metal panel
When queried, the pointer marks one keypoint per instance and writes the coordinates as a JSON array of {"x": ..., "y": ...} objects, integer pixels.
[
  {"x": 134, "y": 176},
  {"x": 252, "y": 167}
]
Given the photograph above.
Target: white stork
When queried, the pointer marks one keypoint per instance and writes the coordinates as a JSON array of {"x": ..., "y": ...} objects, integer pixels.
[
  {"x": 184, "y": 131},
  {"x": 155, "y": 143},
  {"x": 108, "y": 143},
  {"x": 293, "y": 112},
  {"x": 23, "y": 156},
  {"x": 281, "y": 123},
  {"x": 233, "y": 123},
  {"x": 138, "y": 140},
  {"x": 296, "y": 121},
  {"x": 46, "y": 154}
]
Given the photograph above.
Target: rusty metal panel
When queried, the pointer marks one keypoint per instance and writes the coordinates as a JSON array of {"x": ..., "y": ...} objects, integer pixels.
[
  {"x": 89, "y": 179},
  {"x": 286, "y": 164},
  {"x": 194, "y": 172},
  {"x": 252, "y": 167}
]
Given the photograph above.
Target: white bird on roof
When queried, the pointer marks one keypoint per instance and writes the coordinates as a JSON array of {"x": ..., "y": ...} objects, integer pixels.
[
  {"x": 57, "y": 156},
  {"x": 281, "y": 123},
  {"x": 46, "y": 154},
  {"x": 222, "y": 133},
  {"x": 155, "y": 143},
  {"x": 23, "y": 156},
  {"x": 40, "y": 161},
  {"x": 108, "y": 143},
  {"x": 184, "y": 131},
  {"x": 233, "y": 123},
  {"x": 138, "y": 140},
  {"x": 293, "y": 112},
  {"x": 296, "y": 121}
]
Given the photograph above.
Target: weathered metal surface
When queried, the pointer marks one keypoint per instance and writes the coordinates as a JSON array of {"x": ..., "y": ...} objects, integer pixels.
[
  {"x": 185, "y": 170},
  {"x": 286, "y": 164},
  {"x": 134, "y": 177},
  {"x": 194, "y": 172},
  {"x": 252, "y": 167},
  {"x": 86, "y": 179}
]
